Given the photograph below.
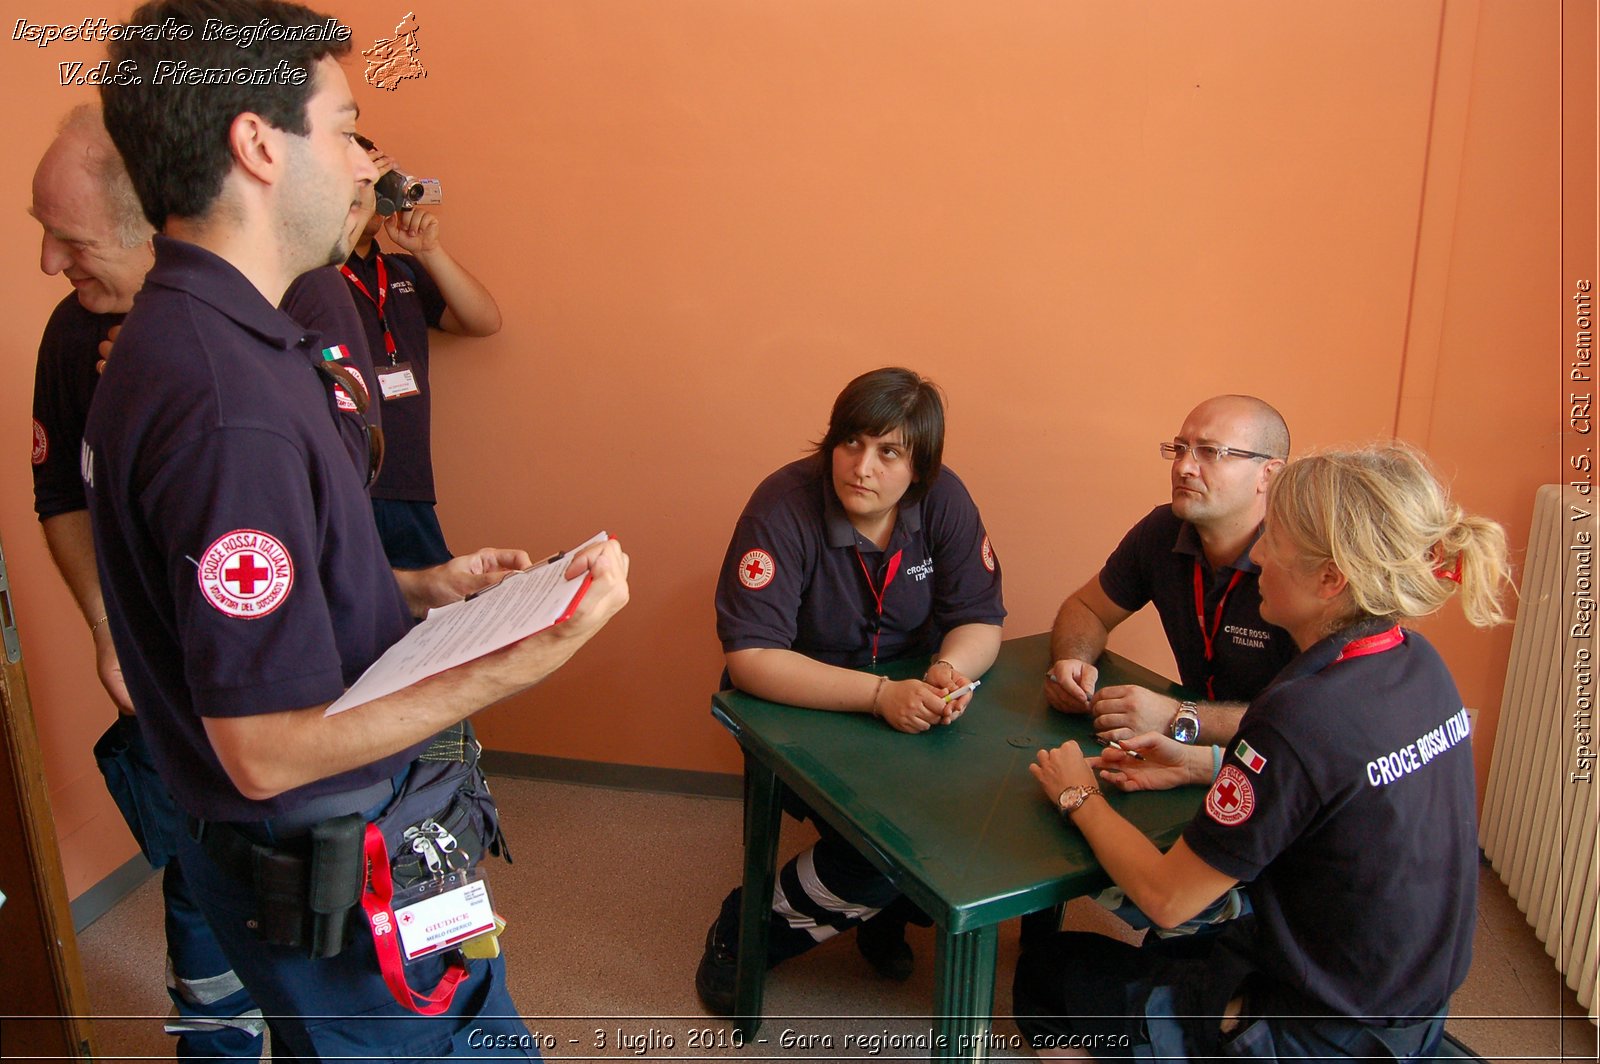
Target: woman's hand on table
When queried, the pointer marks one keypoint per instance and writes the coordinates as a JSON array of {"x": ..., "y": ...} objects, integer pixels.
[
  {"x": 912, "y": 706},
  {"x": 1058, "y": 769},
  {"x": 1163, "y": 763},
  {"x": 944, "y": 678}
]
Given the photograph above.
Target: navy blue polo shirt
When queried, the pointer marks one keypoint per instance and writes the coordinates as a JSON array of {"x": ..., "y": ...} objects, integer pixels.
[
  {"x": 323, "y": 303},
  {"x": 413, "y": 305},
  {"x": 798, "y": 576},
  {"x": 1155, "y": 562},
  {"x": 1347, "y": 803},
  {"x": 64, "y": 380},
  {"x": 240, "y": 564}
]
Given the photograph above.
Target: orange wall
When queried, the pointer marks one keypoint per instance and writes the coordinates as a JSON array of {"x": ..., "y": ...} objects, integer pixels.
[
  {"x": 702, "y": 216},
  {"x": 1488, "y": 299}
]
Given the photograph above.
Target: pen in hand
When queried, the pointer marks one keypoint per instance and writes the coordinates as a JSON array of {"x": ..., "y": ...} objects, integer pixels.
[
  {"x": 1088, "y": 695},
  {"x": 959, "y": 691},
  {"x": 516, "y": 572},
  {"x": 1136, "y": 755}
]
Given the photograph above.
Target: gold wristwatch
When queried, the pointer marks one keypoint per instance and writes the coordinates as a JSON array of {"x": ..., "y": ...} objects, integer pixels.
[{"x": 1071, "y": 799}]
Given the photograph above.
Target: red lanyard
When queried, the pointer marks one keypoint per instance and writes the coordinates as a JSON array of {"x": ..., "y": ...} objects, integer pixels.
[
  {"x": 1210, "y": 634},
  {"x": 381, "y": 298},
  {"x": 1372, "y": 644},
  {"x": 376, "y": 895},
  {"x": 878, "y": 593}
]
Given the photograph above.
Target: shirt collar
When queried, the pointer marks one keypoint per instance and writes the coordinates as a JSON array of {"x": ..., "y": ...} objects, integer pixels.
[
  {"x": 367, "y": 263},
  {"x": 216, "y": 282},
  {"x": 836, "y": 523},
  {"x": 1188, "y": 542},
  {"x": 1325, "y": 651}
]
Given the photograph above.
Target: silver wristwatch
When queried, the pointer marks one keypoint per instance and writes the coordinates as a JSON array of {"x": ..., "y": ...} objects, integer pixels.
[{"x": 1186, "y": 725}]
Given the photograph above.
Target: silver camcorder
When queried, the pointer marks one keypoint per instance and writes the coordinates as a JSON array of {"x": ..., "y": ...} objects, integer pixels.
[{"x": 399, "y": 191}]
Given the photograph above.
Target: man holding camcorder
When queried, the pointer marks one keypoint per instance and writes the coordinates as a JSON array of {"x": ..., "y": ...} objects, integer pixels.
[{"x": 400, "y": 297}]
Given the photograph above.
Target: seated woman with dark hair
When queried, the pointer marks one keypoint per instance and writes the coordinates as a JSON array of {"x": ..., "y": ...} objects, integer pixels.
[
  {"x": 868, "y": 550},
  {"x": 1346, "y": 804}
]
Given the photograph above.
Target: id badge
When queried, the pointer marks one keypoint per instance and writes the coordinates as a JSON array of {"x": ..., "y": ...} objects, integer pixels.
[
  {"x": 443, "y": 913},
  {"x": 397, "y": 381}
]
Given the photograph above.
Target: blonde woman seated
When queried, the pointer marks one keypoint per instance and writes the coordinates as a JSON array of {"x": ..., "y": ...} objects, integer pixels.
[{"x": 1346, "y": 805}]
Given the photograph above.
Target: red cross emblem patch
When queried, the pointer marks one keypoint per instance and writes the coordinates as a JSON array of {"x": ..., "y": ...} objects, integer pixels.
[
  {"x": 756, "y": 569},
  {"x": 246, "y": 574},
  {"x": 41, "y": 443},
  {"x": 988, "y": 555},
  {"x": 342, "y": 399},
  {"x": 1231, "y": 799}
]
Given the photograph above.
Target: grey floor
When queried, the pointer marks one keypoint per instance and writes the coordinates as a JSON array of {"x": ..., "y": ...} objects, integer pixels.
[{"x": 608, "y": 903}]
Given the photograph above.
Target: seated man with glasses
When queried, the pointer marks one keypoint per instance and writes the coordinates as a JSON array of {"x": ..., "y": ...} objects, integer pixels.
[{"x": 1191, "y": 558}]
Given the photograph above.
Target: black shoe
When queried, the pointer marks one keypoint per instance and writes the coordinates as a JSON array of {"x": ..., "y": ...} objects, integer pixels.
[
  {"x": 882, "y": 941},
  {"x": 714, "y": 979}
]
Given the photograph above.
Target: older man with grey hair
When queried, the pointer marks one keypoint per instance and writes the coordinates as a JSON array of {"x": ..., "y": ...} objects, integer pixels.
[{"x": 97, "y": 237}]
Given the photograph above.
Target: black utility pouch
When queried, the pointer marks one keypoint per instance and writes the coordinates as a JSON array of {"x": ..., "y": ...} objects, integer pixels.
[
  {"x": 437, "y": 846},
  {"x": 305, "y": 889},
  {"x": 280, "y": 878},
  {"x": 338, "y": 870}
]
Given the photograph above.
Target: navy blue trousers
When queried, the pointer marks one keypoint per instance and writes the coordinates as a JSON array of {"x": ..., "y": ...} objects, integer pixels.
[
  {"x": 823, "y": 891},
  {"x": 216, "y": 1016},
  {"x": 340, "y": 1006},
  {"x": 1165, "y": 1001}
]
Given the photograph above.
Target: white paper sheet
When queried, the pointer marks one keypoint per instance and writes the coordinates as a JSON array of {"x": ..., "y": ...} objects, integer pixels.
[{"x": 515, "y": 608}]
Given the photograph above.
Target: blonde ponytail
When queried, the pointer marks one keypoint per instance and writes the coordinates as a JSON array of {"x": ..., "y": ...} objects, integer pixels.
[{"x": 1383, "y": 519}]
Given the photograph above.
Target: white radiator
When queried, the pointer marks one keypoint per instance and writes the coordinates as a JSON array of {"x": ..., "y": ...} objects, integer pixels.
[{"x": 1539, "y": 827}]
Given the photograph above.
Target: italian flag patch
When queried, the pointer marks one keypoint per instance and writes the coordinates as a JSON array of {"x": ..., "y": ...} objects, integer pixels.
[{"x": 1248, "y": 757}]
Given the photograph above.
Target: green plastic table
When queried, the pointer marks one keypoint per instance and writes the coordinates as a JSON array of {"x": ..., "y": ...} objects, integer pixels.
[{"x": 952, "y": 815}]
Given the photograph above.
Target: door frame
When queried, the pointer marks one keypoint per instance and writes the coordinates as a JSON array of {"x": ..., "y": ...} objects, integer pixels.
[{"x": 42, "y": 972}]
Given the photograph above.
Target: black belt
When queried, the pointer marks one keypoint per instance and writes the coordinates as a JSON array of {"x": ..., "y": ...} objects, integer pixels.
[
  {"x": 305, "y": 888},
  {"x": 245, "y": 850},
  {"x": 297, "y": 822}
]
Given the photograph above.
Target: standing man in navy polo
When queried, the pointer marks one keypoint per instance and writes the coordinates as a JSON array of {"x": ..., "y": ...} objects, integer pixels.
[
  {"x": 243, "y": 577},
  {"x": 401, "y": 297},
  {"x": 96, "y": 237},
  {"x": 1192, "y": 559}
]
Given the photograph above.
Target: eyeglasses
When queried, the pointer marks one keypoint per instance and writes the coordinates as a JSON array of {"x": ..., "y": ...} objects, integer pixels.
[
  {"x": 346, "y": 382},
  {"x": 1208, "y": 453}
]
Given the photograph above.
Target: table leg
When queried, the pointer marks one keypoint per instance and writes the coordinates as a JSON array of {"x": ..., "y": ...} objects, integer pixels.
[
  {"x": 964, "y": 993},
  {"x": 1042, "y": 924},
  {"x": 763, "y": 812}
]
